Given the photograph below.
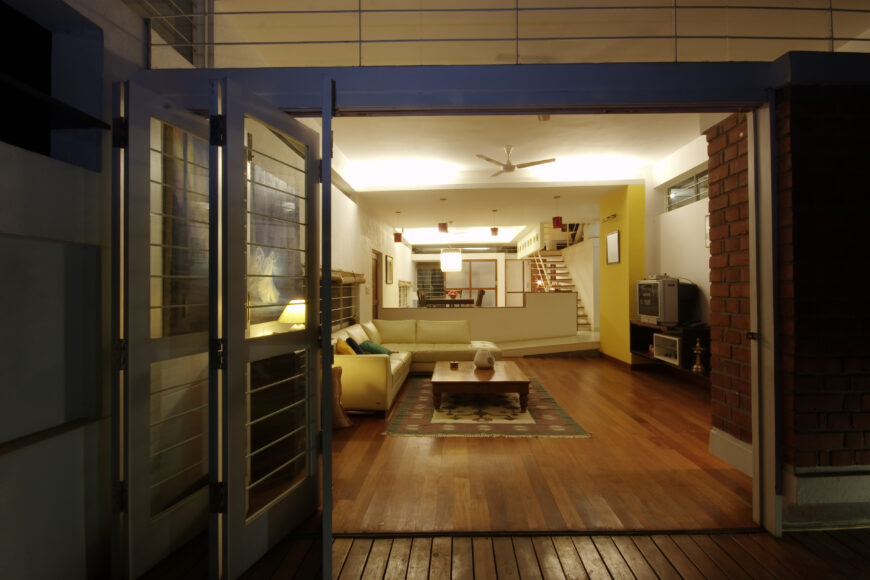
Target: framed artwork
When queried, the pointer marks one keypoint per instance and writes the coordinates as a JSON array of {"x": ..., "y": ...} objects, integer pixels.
[
  {"x": 613, "y": 247},
  {"x": 388, "y": 270}
]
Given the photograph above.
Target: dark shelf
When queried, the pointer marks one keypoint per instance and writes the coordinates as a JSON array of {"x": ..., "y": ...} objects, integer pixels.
[
  {"x": 60, "y": 115},
  {"x": 641, "y": 336}
]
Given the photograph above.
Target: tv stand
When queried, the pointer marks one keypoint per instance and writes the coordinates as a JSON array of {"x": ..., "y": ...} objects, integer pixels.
[{"x": 670, "y": 345}]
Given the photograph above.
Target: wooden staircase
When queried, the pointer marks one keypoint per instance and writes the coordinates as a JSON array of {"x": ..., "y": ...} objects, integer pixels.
[{"x": 549, "y": 268}]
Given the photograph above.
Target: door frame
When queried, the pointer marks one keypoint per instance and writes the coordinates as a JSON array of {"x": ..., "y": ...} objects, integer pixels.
[{"x": 491, "y": 89}]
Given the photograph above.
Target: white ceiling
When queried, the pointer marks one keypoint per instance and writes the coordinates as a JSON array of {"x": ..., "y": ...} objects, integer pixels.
[{"x": 596, "y": 153}]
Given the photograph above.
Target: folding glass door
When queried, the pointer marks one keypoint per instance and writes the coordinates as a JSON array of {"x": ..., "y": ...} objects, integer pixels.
[
  {"x": 266, "y": 312},
  {"x": 161, "y": 320}
]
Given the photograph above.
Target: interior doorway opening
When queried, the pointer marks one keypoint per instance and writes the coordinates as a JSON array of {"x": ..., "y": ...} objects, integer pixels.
[{"x": 407, "y": 490}]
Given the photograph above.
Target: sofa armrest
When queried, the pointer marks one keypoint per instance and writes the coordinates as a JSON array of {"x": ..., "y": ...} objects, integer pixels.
[{"x": 365, "y": 380}]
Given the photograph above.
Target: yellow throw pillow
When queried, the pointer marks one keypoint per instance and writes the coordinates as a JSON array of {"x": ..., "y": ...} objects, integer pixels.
[{"x": 341, "y": 347}]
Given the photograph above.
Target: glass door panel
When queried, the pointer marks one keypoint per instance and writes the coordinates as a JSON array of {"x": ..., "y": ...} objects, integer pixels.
[
  {"x": 161, "y": 285},
  {"x": 267, "y": 444}
]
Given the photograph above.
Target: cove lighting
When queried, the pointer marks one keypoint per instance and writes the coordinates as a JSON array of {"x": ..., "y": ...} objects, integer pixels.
[
  {"x": 396, "y": 173},
  {"x": 460, "y": 235},
  {"x": 590, "y": 168}
]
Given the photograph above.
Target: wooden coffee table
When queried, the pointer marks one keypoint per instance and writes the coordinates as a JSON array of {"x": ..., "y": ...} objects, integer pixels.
[{"x": 504, "y": 377}]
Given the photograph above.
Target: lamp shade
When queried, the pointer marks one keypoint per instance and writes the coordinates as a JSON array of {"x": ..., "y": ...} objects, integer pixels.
[
  {"x": 397, "y": 237},
  {"x": 557, "y": 222},
  {"x": 493, "y": 231},
  {"x": 294, "y": 313},
  {"x": 451, "y": 260},
  {"x": 442, "y": 227}
]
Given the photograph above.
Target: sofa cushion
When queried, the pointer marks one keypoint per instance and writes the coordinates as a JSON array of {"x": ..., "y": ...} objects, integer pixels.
[
  {"x": 354, "y": 345},
  {"x": 341, "y": 347},
  {"x": 372, "y": 331},
  {"x": 357, "y": 332},
  {"x": 373, "y": 348},
  {"x": 396, "y": 331},
  {"x": 443, "y": 331}
]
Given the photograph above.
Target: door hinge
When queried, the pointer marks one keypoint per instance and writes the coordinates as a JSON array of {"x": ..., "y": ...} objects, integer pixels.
[
  {"x": 119, "y": 497},
  {"x": 120, "y": 354},
  {"x": 751, "y": 335},
  {"x": 120, "y": 132},
  {"x": 217, "y": 354},
  {"x": 217, "y": 130},
  {"x": 218, "y": 497}
]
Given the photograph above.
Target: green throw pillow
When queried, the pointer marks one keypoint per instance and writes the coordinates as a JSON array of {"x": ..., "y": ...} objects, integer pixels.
[{"x": 373, "y": 348}]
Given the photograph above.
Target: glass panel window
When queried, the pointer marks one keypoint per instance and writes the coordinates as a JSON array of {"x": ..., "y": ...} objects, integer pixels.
[
  {"x": 179, "y": 429},
  {"x": 178, "y": 232},
  {"x": 691, "y": 190},
  {"x": 277, "y": 428},
  {"x": 276, "y": 220}
]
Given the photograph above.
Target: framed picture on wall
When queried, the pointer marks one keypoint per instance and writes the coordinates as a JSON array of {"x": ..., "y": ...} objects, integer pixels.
[
  {"x": 613, "y": 247},
  {"x": 388, "y": 270}
]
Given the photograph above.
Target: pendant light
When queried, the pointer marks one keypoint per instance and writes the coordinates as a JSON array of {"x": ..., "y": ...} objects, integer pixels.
[
  {"x": 557, "y": 220},
  {"x": 397, "y": 236},
  {"x": 494, "y": 229}
]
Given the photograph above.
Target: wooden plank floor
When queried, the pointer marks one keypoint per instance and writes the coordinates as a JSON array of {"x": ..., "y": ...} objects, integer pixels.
[
  {"x": 645, "y": 468},
  {"x": 727, "y": 555}
]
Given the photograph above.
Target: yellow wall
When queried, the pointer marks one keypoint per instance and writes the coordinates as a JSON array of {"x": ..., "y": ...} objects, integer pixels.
[{"x": 617, "y": 300}]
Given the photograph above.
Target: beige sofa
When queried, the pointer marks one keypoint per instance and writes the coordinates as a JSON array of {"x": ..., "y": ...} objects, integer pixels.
[{"x": 370, "y": 382}]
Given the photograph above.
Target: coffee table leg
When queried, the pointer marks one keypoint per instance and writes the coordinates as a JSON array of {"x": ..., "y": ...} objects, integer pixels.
[{"x": 524, "y": 402}]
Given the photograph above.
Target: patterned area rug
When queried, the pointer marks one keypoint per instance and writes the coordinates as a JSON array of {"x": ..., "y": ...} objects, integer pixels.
[{"x": 470, "y": 415}]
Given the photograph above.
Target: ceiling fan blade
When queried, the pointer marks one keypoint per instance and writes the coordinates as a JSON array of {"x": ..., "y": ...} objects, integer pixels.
[
  {"x": 497, "y": 173},
  {"x": 490, "y": 159},
  {"x": 531, "y": 163}
]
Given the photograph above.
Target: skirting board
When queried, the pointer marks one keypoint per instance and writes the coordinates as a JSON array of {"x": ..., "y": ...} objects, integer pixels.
[
  {"x": 826, "y": 498},
  {"x": 731, "y": 450}
]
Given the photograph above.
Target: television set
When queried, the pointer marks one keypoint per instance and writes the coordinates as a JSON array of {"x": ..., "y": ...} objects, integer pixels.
[{"x": 665, "y": 301}]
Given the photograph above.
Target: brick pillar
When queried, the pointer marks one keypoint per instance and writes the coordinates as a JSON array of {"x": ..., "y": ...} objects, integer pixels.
[
  {"x": 727, "y": 148},
  {"x": 824, "y": 218}
]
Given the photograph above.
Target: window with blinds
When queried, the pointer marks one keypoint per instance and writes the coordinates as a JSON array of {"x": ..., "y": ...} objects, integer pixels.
[{"x": 345, "y": 298}]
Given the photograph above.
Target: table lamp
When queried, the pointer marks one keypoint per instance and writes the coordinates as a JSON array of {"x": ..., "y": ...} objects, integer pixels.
[{"x": 294, "y": 313}]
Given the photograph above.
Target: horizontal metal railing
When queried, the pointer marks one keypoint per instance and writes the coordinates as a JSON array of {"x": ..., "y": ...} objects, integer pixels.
[{"x": 384, "y": 33}]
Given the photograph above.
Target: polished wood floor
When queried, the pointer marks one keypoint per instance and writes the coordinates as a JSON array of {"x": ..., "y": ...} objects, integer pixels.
[{"x": 645, "y": 468}]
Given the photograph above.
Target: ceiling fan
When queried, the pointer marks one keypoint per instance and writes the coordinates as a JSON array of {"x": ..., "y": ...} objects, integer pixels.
[{"x": 508, "y": 167}]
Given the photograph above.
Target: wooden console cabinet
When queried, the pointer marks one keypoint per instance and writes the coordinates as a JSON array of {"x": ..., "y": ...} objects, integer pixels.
[{"x": 670, "y": 345}]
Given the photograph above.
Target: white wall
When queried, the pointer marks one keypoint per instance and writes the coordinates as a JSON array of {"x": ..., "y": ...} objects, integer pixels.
[
  {"x": 675, "y": 240},
  {"x": 355, "y": 234},
  {"x": 583, "y": 263},
  {"x": 683, "y": 251}
]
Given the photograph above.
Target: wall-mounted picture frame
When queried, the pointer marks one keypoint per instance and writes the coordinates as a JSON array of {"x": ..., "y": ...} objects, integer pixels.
[
  {"x": 388, "y": 270},
  {"x": 613, "y": 247}
]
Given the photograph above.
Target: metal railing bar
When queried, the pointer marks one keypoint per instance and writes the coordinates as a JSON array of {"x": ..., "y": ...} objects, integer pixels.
[
  {"x": 276, "y": 159},
  {"x": 276, "y": 441},
  {"x": 274, "y": 471},
  {"x": 185, "y": 160},
  {"x": 277, "y": 219},
  {"x": 271, "y": 247},
  {"x": 178, "y": 386},
  {"x": 176, "y": 474},
  {"x": 177, "y": 415},
  {"x": 273, "y": 188},
  {"x": 181, "y": 189},
  {"x": 274, "y": 413},
  {"x": 177, "y": 445},
  {"x": 276, "y": 383},
  {"x": 511, "y": 39},
  {"x": 177, "y": 218},
  {"x": 177, "y": 247}
]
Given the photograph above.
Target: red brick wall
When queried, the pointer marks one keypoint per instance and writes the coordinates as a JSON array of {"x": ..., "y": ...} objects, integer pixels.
[
  {"x": 823, "y": 200},
  {"x": 727, "y": 148}
]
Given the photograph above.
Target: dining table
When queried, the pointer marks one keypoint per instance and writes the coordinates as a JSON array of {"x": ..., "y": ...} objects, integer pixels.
[{"x": 449, "y": 302}]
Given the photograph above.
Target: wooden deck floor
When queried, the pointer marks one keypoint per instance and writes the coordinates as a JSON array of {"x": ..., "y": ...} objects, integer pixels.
[{"x": 810, "y": 555}]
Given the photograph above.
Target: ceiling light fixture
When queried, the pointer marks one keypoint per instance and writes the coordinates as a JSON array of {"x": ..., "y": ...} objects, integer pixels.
[
  {"x": 397, "y": 236},
  {"x": 557, "y": 220},
  {"x": 494, "y": 229}
]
